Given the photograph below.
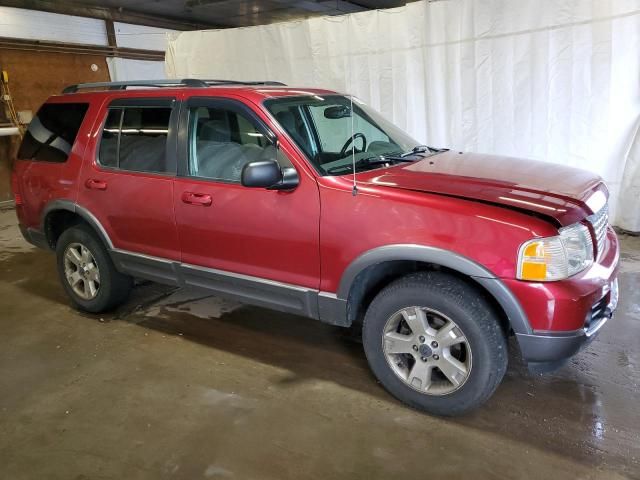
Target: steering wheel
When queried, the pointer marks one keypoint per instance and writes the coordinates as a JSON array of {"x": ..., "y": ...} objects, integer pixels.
[{"x": 345, "y": 147}]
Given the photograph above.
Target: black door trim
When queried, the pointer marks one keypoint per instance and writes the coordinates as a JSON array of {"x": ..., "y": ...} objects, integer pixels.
[
  {"x": 262, "y": 292},
  {"x": 257, "y": 291}
]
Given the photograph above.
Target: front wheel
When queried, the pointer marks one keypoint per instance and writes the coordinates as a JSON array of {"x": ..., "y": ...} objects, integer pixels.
[{"x": 435, "y": 343}]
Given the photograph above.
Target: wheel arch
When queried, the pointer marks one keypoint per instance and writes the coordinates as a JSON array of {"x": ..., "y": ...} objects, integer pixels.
[
  {"x": 376, "y": 268},
  {"x": 68, "y": 214}
]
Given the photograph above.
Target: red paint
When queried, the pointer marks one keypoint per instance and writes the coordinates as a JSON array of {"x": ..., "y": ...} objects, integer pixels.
[
  {"x": 258, "y": 232},
  {"x": 310, "y": 235},
  {"x": 15, "y": 189},
  {"x": 552, "y": 190},
  {"x": 564, "y": 305}
]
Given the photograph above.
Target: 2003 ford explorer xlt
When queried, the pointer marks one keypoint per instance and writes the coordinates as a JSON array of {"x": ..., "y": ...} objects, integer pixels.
[{"x": 307, "y": 201}]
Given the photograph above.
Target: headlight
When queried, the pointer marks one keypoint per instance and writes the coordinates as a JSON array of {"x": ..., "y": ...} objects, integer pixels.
[{"x": 556, "y": 258}]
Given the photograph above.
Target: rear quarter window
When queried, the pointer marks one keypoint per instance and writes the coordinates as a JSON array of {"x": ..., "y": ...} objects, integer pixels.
[{"x": 52, "y": 132}]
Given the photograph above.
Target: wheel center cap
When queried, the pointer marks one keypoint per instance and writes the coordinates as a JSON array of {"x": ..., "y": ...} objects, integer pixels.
[{"x": 425, "y": 350}]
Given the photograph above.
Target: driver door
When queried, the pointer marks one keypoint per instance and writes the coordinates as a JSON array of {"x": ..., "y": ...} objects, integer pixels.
[{"x": 227, "y": 229}]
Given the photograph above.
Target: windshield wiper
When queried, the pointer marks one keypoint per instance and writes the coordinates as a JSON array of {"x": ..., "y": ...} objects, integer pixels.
[
  {"x": 426, "y": 149},
  {"x": 371, "y": 162}
]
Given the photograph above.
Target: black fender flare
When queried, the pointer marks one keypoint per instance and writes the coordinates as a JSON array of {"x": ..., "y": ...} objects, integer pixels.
[
  {"x": 86, "y": 215},
  {"x": 445, "y": 258}
]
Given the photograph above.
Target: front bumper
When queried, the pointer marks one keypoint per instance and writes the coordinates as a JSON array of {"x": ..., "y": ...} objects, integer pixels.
[
  {"x": 547, "y": 350},
  {"x": 566, "y": 316}
]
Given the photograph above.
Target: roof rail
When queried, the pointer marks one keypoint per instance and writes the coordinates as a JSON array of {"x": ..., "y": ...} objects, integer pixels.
[
  {"x": 239, "y": 82},
  {"x": 185, "y": 82}
]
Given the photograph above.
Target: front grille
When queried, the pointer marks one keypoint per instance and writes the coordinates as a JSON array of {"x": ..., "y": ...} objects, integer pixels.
[
  {"x": 598, "y": 312},
  {"x": 599, "y": 221}
]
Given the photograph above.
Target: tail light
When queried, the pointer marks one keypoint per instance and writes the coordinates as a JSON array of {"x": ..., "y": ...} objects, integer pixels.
[{"x": 15, "y": 188}]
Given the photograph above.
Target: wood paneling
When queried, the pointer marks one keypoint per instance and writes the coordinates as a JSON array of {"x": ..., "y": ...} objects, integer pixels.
[{"x": 34, "y": 76}]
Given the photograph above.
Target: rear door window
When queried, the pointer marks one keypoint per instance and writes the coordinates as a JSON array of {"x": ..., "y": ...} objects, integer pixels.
[
  {"x": 135, "y": 138},
  {"x": 52, "y": 132}
]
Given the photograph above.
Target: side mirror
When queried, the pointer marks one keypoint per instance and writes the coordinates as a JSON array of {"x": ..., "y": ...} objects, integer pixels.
[
  {"x": 290, "y": 179},
  {"x": 268, "y": 174},
  {"x": 263, "y": 174}
]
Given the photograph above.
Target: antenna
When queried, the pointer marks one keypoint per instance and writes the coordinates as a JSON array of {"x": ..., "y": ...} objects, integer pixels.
[{"x": 354, "y": 192}]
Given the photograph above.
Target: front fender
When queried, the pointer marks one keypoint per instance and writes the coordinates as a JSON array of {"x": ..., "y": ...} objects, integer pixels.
[{"x": 444, "y": 258}]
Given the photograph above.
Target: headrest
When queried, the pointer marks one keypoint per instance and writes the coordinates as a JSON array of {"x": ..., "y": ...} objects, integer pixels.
[
  {"x": 287, "y": 120},
  {"x": 214, "y": 130}
]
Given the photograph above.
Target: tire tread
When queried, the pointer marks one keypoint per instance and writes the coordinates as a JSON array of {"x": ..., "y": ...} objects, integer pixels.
[
  {"x": 115, "y": 287},
  {"x": 455, "y": 291}
]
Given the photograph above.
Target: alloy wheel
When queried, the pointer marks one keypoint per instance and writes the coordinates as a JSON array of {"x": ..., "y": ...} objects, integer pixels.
[
  {"x": 427, "y": 350},
  {"x": 81, "y": 271}
]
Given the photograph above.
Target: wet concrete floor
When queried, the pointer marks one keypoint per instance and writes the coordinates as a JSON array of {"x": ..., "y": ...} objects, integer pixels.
[{"x": 180, "y": 384}]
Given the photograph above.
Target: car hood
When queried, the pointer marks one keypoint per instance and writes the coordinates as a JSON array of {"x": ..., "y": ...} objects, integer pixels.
[{"x": 564, "y": 194}]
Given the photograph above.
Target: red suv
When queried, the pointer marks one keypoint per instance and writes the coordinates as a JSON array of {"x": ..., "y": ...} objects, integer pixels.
[{"x": 309, "y": 202}]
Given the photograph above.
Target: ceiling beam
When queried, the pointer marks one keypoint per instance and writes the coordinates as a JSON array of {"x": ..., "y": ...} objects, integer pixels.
[
  {"x": 277, "y": 12},
  {"x": 111, "y": 33},
  {"x": 79, "y": 49},
  {"x": 321, "y": 6},
  {"x": 379, "y": 4},
  {"x": 103, "y": 13}
]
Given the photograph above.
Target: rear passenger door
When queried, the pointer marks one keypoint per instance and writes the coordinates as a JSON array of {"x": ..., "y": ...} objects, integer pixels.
[
  {"x": 128, "y": 185},
  {"x": 222, "y": 225}
]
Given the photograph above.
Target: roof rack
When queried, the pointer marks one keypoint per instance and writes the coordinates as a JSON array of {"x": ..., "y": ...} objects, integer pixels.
[{"x": 185, "y": 82}]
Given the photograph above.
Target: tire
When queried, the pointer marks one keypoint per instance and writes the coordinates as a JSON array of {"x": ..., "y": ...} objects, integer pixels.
[
  {"x": 83, "y": 260},
  {"x": 453, "y": 370}
]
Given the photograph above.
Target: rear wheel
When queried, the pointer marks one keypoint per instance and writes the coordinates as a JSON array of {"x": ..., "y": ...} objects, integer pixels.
[
  {"x": 87, "y": 273},
  {"x": 435, "y": 343}
]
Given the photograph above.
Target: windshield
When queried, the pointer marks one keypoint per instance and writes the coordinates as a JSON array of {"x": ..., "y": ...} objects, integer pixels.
[{"x": 321, "y": 127}]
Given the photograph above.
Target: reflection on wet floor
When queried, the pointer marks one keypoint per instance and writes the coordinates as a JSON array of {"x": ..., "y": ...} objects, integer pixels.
[{"x": 180, "y": 384}]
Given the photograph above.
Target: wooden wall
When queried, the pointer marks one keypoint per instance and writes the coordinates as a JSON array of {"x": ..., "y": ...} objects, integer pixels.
[{"x": 33, "y": 77}]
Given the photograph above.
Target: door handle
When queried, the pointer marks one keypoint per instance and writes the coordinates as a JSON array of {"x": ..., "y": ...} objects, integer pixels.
[
  {"x": 201, "y": 199},
  {"x": 94, "y": 184}
]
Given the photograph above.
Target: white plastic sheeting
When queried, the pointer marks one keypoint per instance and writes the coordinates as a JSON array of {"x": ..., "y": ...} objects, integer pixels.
[
  {"x": 34, "y": 25},
  {"x": 554, "y": 80},
  {"x": 121, "y": 69}
]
